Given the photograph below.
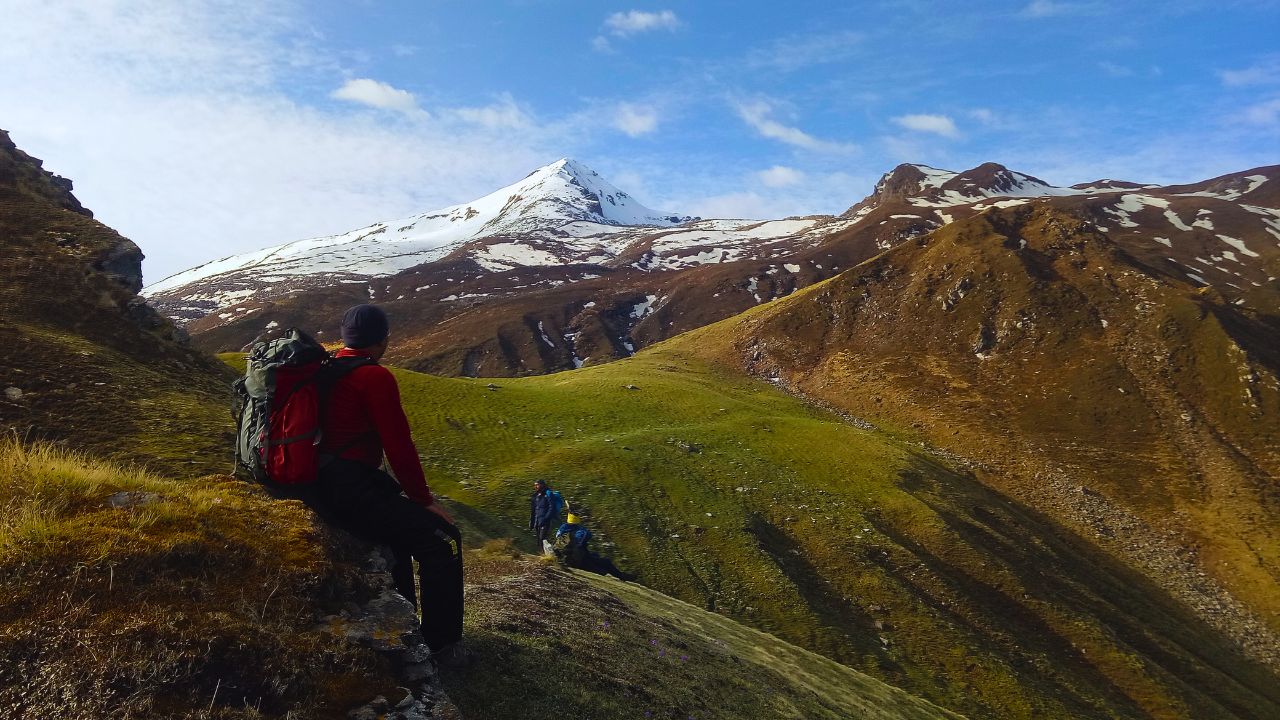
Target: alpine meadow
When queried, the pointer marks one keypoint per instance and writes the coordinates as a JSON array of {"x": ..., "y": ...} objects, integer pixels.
[{"x": 729, "y": 402}]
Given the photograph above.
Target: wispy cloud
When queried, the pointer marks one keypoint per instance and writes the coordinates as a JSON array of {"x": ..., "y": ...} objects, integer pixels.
[
  {"x": 633, "y": 22},
  {"x": 1059, "y": 8},
  {"x": 1115, "y": 70},
  {"x": 799, "y": 51},
  {"x": 983, "y": 115},
  {"x": 1048, "y": 8},
  {"x": 936, "y": 124},
  {"x": 780, "y": 176},
  {"x": 376, "y": 94},
  {"x": 1265, "y": 113},
  {"x": 197, "y": 148},
  {"x": 1265, "y": 72},
  {"x": 505, "y": 113},
  {"x": 759, "y": 115},
  {"x": 635, "y": 120}
]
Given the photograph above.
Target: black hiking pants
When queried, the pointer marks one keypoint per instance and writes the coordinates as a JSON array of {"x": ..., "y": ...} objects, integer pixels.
[
  {"x": 367, "y": 503},
  {"x": 583, "y": 559},
  {"x": 544, "y": 534}
]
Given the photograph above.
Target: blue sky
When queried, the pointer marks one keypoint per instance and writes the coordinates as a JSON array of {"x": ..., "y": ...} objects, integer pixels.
[{"x": 206, "y": 128}]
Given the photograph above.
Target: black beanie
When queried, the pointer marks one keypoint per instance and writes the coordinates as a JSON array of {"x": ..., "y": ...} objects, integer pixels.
[{"x": 364, "y": 326}]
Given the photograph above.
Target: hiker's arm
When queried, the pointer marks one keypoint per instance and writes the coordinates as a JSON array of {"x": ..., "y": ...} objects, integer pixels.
[{"x": 393, "y": 428}]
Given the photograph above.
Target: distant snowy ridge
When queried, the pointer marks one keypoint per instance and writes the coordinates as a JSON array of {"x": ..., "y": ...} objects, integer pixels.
[
  {"x": 564, "y": 193},
  {"x": 563, "y": 223},
  {"x": 925, "y": 186}
]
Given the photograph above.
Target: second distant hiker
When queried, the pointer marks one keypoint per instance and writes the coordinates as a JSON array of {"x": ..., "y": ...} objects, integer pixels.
[{"x": 544, "y": 512}]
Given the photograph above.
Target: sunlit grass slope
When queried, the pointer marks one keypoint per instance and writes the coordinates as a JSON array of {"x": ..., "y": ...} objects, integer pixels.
[
  {"x": 724, "y": 492},
  {"x": 573, "y": 645},
  {"x": 130, "y": 595}
]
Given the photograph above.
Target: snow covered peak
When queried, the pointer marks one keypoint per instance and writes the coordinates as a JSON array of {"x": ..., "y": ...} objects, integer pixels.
[
  {"x": 567, "y": 189},
  {"x": 555, "y": 200},
  {"x": 908, "y": 180},
  {"x": 926, "y": 186}
]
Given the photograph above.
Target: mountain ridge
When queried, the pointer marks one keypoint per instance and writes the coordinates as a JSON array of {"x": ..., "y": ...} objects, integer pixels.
[{"x": 582, "y": 293}]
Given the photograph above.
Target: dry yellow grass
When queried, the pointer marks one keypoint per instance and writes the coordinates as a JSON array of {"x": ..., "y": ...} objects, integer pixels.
[{"x": 181, "y": 598}]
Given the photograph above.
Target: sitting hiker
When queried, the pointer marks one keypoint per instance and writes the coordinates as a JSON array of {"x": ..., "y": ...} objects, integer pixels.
[
  {"x": 362, "y": 420},
  {"x": 544, "y": 511},
  {"x": 571, "y": 543}
]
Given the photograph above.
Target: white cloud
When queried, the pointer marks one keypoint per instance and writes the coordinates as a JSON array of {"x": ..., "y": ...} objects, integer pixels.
[
  {"x": 601, "y": 43},
  {"x": 403, "y": 50},
  {"x": 799, "y": 51},
  {"x": 1266, "y": 113},
  {"x": 505, "y": 113},
  {"x": 376, "y": 94},
  {"x": 758, "y": 114},
  {"x": 635, "y": 120},
  {"x": 984, "y": 116},
  {"x": 633, "y": 22},
  {"x": 1266, "y": 72},
  {"x": 1046, "y": 8},
  {"x": 1115, "y": 70},
  {"x": 820, "y": 194},
  {"x": 181, "y": 128},
  {"x": 936, "y": 124},
  {"x": 780, "y": 176}
]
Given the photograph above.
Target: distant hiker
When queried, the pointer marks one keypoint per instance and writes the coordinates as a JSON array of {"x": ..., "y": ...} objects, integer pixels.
[
  {"x": 355, "y": 403},
  {"x": 544, "y": 511},
  {"x": 572, "y": 541}
]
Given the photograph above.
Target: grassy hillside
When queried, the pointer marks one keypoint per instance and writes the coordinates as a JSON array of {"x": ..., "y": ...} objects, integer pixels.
[
  {"x": 132, "y": 595},
  {"x": 569, "y": 644},
  {"x": 726, "y": 493},
  {"x": 1129, "y": 404}
]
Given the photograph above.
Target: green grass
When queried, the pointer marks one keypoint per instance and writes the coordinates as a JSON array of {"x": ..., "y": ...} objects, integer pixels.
[
  {"x": 170, "y": 417},
  {"x": 569, "y": 644},
  {"x": 726, "y": 493}
]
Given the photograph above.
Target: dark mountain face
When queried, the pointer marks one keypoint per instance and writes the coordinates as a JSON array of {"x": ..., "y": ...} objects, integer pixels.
[
  {"x": 74, "y": 333},
  {"x": 992, "y": 180},
  {"x": 26, "y": 175}
]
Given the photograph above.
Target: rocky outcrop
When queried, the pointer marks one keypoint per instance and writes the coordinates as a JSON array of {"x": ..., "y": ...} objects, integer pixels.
[
  {"x": 27, "y": 174},
  {"x": 54, "y": 248},
  {"x": 388, "y": 623}
]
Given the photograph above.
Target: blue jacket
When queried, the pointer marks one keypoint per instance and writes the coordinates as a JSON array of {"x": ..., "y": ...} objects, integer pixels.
[
  {"x": 542, "y": 511},
  {"x": 578, "y": 535}
]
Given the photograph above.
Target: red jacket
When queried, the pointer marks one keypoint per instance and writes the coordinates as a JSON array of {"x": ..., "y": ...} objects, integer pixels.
[{"x": 364, "y": 401}]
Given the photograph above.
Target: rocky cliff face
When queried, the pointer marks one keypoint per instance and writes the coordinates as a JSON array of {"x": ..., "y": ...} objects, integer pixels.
[
  {"x": 70, "y": 314},
  {"x": 56, "y": 249},
  {"x": 27, "y": 175}
]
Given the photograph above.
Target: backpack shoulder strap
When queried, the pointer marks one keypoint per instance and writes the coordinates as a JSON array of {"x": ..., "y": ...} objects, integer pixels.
[{"x": 335, "y": 369}]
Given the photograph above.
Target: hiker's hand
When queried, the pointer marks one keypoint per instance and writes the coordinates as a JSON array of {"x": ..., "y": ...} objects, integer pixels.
[{"x": 438, "y": 509}]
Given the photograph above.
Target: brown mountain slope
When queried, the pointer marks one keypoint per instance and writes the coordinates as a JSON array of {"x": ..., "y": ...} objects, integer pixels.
[
  {"x": 73, "y": 332},
  {"x": 1126, "y": 403},
  {"x": 463, "y": 315}
]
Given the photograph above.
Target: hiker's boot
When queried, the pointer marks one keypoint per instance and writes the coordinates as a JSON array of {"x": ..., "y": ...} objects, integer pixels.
[{"x": 454, "y": 657}]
